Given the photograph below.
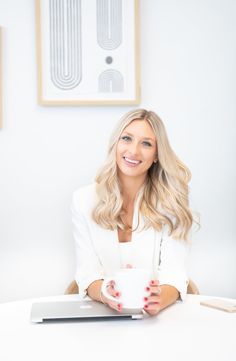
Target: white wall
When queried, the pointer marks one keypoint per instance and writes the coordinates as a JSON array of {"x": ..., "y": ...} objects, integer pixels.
[{"x": 188, "y": 76}]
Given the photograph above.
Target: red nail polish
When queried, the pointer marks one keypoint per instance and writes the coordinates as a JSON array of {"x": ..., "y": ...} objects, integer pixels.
[
  {"x": 117, "y": 294},
  {"x": 145, "y": 299},
  {"x": 146, "y": 306},
  {"x": 147, "y": 289},
  {"x": 119, "y": 306},
  {"x": 152, "y": 282}
]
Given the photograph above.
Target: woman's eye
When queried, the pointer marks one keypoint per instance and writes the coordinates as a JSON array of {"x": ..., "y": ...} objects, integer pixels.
[
  {"x": 147, "y": 144},
  {"x": 126, "y": 138}
]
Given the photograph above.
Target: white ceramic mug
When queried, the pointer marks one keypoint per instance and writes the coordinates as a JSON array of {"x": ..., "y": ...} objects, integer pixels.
[{"x": 131, "y": 283}]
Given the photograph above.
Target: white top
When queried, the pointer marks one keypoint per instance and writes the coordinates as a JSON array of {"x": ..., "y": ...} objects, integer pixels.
[
  {"x": 98, "y": 252},
  {"x": 127, "y": 252}
]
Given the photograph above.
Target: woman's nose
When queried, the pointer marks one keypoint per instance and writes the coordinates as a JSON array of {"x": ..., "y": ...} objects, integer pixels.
[{"x": 133, "y": 148}]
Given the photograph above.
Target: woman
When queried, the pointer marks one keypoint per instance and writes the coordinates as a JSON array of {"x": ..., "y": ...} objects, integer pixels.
[{"x": 135, "y": 215}]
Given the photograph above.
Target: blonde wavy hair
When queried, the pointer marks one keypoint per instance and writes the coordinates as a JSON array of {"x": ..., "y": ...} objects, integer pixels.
[{"x": 164, "y": 199}]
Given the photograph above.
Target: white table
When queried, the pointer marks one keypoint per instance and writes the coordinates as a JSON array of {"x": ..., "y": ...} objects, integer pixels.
[{"x": 184, "y": 331}]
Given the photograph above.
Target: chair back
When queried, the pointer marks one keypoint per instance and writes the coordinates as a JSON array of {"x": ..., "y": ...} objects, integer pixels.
[
  {"x": 192, "y": 288},
  {"x": 72, "y": 289}
]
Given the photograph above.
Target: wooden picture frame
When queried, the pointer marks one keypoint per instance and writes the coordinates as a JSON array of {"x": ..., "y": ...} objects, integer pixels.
[
  {"x": 88, "y": 52},
  {"x": 1, "y": 100}
]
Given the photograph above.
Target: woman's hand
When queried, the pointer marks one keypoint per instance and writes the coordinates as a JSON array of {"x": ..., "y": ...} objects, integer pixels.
[
  {"x": 114, "y": 293},
  {"x": 153, "y": 301}
]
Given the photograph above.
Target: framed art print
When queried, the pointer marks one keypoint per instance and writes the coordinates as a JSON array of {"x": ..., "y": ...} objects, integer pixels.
[
  {"x": 88, "y": 52},
  {"x": 1, "y": 101}
]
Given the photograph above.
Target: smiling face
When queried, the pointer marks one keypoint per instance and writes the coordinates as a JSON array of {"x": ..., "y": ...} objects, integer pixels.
[{"x": 136, "y": 149}]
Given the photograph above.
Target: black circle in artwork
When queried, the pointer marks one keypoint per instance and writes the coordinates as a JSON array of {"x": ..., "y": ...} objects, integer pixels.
[{"x": 109, "y": 60}]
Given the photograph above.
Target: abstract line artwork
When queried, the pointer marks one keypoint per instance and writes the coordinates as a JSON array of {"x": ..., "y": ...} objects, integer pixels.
[
  {"x": 111, "y": 81},
  {"x": 87, "y": 52},
  {"x": 109, "y": 23},
  {"x": 109, "y": 35},
  {"x": 65, "y": 43}
]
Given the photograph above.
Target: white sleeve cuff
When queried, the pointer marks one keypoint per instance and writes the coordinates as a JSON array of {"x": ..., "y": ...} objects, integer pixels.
[
  {"x": 83, "y": 283},
  {"x": 180, "y": 282}
]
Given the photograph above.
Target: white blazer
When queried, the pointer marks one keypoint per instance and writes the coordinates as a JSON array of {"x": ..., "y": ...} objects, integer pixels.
[{"x": 98, "y": 253}]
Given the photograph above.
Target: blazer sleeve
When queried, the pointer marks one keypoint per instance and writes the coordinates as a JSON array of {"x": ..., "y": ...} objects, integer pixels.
[
  {"x": 173, "y": 263},
  {"x": 88, "y": 266}
]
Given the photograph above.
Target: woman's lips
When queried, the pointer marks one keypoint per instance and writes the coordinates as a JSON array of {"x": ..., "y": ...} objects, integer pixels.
[{"x": 131, "y": 162}]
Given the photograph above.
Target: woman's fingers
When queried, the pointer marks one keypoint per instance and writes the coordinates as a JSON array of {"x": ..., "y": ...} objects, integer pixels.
[
  {"x": 112, "y": 291},
  {"x": 155, "y": 290},
  {"x": 154, "y": 287},
  {"x": 152, "y": 308},
  {"x": 152, "y": 301},
  {"x": 116, "y": 305},
  {"x": 154, "y": 283},
  {"x": 112, "y": 304}
]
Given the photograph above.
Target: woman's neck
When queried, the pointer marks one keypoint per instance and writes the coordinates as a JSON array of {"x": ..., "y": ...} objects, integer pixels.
[{"x": 130, "y": 186}]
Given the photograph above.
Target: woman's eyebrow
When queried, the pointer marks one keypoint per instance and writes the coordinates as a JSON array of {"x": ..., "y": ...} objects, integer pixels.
[{"x": 130, "y": 134}]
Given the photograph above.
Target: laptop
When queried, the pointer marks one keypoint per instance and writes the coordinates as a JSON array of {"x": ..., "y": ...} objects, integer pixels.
[{"x": 78, "y": 310}]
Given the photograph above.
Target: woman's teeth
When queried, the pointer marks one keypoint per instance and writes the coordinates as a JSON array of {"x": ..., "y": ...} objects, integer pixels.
[{"x": 132, "y": 160}]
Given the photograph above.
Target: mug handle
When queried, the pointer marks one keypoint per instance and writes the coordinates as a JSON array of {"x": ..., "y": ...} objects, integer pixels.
[{"x": 104, "y": 289}]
